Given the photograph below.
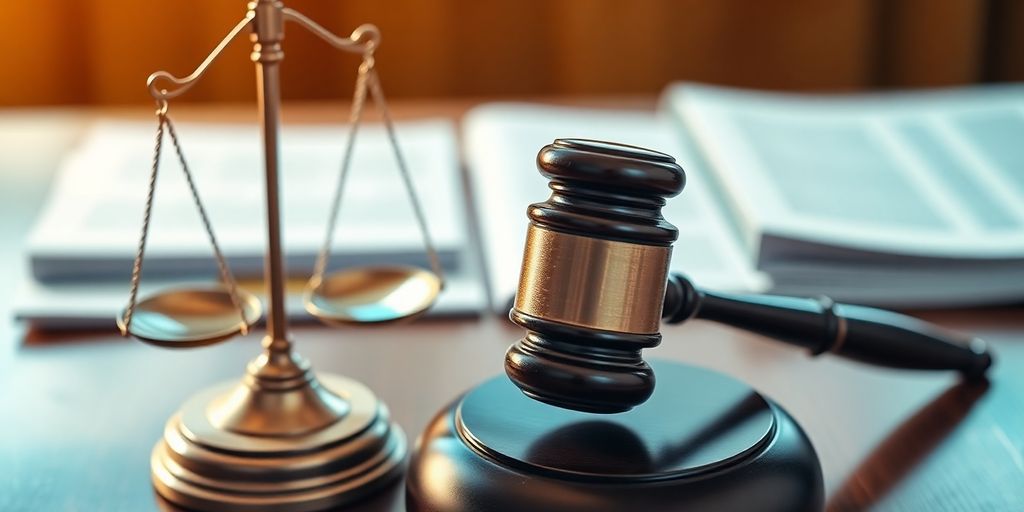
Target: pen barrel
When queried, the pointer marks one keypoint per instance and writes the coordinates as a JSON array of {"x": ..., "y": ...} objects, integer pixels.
[{"x": 820, "y": 325}]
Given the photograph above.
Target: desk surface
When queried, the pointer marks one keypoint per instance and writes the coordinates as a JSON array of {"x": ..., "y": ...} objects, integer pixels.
[{"x": 81, "y": 411}]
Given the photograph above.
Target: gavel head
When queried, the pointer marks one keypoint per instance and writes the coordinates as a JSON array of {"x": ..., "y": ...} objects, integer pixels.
[{"x": 594, "y": 273}]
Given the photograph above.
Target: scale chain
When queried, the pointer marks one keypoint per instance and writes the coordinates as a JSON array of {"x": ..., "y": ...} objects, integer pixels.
[
  {"x": 222, "y": 266},
  {"x": 378, "y": 97},
  {"x": 358, "y": 101},
  {"x": 368, "y": 79},
  {"x": 137, "y": 264}
]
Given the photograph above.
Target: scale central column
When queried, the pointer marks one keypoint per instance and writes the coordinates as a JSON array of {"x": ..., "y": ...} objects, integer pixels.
[
  {"x": 267, "y": 34},
  {"x": 280, "y": 394}
]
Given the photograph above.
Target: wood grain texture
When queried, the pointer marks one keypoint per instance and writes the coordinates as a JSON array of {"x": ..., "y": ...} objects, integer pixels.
[
  {"x": 81, "y": 411},
  {"x": 1004, "y": 42},
  {"x": 101, "y": 51},
  {"x": 933, "y": 42}
]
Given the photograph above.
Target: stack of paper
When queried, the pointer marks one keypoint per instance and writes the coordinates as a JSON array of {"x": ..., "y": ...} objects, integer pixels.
[
  {"x": 903, "y": 200},
  {"x": 501, "y": 142},
  {"x": 82, "y": 246},
  {"x": 900, "y": 200}
]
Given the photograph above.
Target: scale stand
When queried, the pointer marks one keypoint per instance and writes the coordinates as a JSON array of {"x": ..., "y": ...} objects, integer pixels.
[{"x": 283, "y": 437}]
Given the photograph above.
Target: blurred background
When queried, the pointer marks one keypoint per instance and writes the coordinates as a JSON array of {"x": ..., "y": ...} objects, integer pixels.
[{"x": 99, "y": 52}]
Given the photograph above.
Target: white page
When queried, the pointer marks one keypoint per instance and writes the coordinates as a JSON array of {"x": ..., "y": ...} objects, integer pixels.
[
  {"x": 96, "y": 204},
  {"x": 501, "y": 142},
  {"x": 95, "y": 207},
  {"x": 924, "y": 174}
]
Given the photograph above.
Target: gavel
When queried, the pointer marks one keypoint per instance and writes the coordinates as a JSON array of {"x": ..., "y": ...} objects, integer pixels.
[{"x": 594, "y": 288}]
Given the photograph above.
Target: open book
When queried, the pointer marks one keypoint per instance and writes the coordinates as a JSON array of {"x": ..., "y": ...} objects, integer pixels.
[{"x": 900, "y": 200}]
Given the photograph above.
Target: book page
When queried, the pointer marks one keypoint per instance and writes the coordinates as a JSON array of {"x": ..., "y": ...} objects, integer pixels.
[
  {"x": 929, "y": 174},
  {"x": 90, "y": 224},
  {"x": 501, "y": 142},
  {"x": 82, "y": 245}
]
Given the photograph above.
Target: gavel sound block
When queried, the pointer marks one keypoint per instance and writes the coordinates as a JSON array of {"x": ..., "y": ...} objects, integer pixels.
[{"x": 579, "y": 423}]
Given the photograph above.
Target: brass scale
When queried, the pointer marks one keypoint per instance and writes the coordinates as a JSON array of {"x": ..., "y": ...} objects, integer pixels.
[{"x": 283, "y": 437}]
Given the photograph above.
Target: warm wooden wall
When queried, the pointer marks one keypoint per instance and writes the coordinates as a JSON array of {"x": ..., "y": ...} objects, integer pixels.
[{"x": 100, "y": 51}]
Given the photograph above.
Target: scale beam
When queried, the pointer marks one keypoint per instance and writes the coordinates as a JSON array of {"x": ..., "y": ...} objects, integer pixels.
[{"x": 184, "y": 84}]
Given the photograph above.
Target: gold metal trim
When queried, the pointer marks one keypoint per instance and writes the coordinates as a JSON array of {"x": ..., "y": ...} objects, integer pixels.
[
  {"x": 202, "y": 466},
  {"x": 283, "y": 439},
  {"x": 592, "y": 282}
]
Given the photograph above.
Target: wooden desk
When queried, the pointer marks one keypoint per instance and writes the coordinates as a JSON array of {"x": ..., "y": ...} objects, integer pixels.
[{"x": 80, "y": 412}]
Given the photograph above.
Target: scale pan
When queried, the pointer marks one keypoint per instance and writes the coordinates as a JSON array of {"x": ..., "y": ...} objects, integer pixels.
[
  {"x": 191, "y": 317},
  {"x": 372, "y": 295}
]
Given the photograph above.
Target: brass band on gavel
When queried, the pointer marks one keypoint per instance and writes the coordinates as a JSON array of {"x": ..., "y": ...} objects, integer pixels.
[
  {"x": 594, "y": 276},
  {"x": 561, "y": 270}
]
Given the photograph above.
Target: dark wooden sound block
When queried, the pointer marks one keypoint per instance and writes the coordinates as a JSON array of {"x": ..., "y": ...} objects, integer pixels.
[{"x": 703, "y": 441}]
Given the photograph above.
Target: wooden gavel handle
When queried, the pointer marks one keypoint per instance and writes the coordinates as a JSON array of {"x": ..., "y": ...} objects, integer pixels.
[{"x": 860, "y": 333}]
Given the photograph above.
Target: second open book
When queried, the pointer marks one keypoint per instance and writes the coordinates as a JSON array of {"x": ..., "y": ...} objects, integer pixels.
[{"x": 902, "y": 199}]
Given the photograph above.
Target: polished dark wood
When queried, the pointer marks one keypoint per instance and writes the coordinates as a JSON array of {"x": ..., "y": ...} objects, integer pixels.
[
  {"x": 703, "y": 441},
  {"x": 598, "y": 190},
  {"x": 864, "y": 334},
  {"x": 609, "y": 191},
  {"x": 544, "y": 449},
  {"x": 81, "y": 411}
]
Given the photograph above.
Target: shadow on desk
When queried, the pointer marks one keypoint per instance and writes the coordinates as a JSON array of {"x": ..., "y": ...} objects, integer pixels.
[{"x": 913, "y": 441}]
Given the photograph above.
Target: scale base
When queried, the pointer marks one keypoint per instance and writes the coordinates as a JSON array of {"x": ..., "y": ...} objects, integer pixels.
[
  {"x": 703, "y": 441},
  {"x": 200, "y": 466}
]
